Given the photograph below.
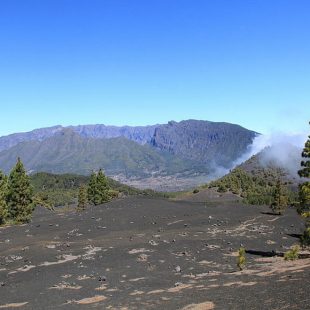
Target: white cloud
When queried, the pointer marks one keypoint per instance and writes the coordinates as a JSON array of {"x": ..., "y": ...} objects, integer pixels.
[{"x": 282, "y": 149}]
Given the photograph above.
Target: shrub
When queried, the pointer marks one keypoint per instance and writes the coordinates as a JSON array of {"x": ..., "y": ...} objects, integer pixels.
[
  {"x": 241, "y": 258},
  {"x": 305, "y": 239},
  {"x": 221, "y": 189},
  {"x": 292, "y": 254},
  {"x": 42, "y": 199},
  {"x": 113, "y": 193},
  {"x": 82, "y": 198}
]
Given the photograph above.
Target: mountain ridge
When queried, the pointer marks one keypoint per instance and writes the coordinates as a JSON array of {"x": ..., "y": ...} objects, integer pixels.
[
  {"x": 68, "y": 152},
  {"x": 185, "y": 150},
  {"x": 140, "y": 134},
  {"x": 212, "y": 141},
  {"x": 94, "y": 131}
]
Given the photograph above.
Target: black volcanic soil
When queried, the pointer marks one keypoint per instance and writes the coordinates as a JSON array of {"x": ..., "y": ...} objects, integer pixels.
[{"x": 143, "y": 253}]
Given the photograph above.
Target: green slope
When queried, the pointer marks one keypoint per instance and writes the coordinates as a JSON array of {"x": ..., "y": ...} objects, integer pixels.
[
  {"x": 256, "y": 182},
  {"x": 61, "y": 189},
  {"x": 67, "y": 152}
]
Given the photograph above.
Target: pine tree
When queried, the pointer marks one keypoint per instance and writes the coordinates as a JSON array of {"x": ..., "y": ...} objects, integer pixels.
[
  {"x": 98, "y": 188},
  {"x": 103, "y": 187},
  {"x": 20, "y": 192},
  {"x": 280, "y": 199},
  {"x": 92, "y": 189},
  {"x": 304, "y": 172},
  {"x": 3, "y": 197},
  {"x": 304, "y": 190},
  {"x": 82, "y": 199}
]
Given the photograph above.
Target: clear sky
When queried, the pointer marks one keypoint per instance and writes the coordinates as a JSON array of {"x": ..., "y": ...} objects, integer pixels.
[{"x": 140, "y": 62}]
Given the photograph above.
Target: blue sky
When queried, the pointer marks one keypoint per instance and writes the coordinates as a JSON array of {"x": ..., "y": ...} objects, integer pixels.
[{"x": 137, "y": 62}]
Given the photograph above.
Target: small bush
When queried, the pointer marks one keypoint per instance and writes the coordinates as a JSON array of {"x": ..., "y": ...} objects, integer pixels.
[
  {"x": 82, "y": 198},
  {"x": 305, "y": 239},
  {"x": 222, "y": 189},
  {"x": 241, "y": 258},
  {"x": 292, "y": 254},
  {"x": 113, "y": 193},
  {"x": 306, "y": 214}
]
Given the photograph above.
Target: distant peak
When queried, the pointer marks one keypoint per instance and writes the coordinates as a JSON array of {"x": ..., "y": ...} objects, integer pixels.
[{"x": 66, "y": 131}]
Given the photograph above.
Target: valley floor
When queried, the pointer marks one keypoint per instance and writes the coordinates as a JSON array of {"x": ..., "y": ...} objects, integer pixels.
[{"x": 152, "y": 253}]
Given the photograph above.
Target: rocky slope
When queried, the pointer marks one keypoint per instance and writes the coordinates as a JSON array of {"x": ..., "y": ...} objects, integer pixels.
[
  {"x": 143, "y": 253},
  {"x": 203, "y": 141},
  {"x": 140, "y": 134},
  {"x": 41, "y": 134},
  {"x": 194, "y": 132}
]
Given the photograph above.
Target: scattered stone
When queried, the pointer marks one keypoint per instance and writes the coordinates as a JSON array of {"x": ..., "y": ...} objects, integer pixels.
[
  {"x": 14, "y": 305},
  {"x": 151, "y": 267},
  {"x": 87, "y": 301},
  {"x": 142, "y": 257}
]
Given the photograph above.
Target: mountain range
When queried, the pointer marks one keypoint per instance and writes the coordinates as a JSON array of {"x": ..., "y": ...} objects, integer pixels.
[{"x": 188, "y": 149}]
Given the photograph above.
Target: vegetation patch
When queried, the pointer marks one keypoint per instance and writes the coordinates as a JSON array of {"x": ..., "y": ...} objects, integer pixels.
[
  {"x": 293, "y": 253},
  {"x": 257, "y": 189},
  {"x": 241, "y": 258},
  {"x": 53, "y": 190}
]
